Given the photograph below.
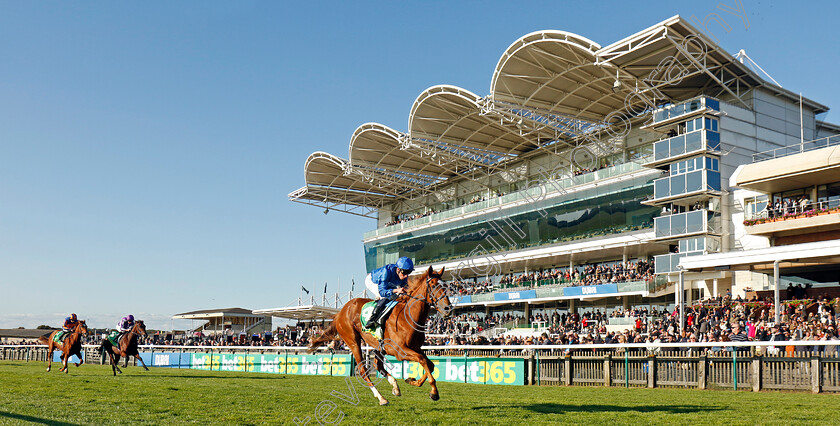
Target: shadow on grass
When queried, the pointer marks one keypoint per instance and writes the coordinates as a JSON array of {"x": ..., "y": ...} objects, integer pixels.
[
  {"x": 31, "y": 419},
  {"x": 195, "y": 376},
  {"x": 588, "y": 408}
]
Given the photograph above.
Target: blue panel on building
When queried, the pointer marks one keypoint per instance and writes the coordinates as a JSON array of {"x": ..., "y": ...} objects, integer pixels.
[{"x": 460, "y": 299}]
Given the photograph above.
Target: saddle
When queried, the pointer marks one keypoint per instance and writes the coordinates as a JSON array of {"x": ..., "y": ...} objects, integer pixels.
[
  {"x": 114, "y": 337},
  {"x": 59, "y": 337},
  {"x": 367, "y": 309}
]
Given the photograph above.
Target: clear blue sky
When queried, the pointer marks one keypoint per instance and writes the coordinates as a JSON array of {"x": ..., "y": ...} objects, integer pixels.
[{"x": 147, "y": 148}]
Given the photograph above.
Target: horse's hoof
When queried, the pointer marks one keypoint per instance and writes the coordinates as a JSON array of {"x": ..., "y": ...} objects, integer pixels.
[
  {"x": 410, "y": 381},
  {"x": 383, "y": 402},
  {"x": 434, "y": 396},
  {"x": 396, "y": 392}
]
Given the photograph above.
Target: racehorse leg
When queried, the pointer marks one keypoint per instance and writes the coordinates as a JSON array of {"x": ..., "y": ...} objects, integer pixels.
[
  {"x": 428, "y": 366},
  {"x": 380, "y": 366},
  {"x": 137, "y": 357},
  {"x": 114, "y": 362},
  {"x": 362, "y": 368},
  {"x": 81, "y": 359},
  {"x": 49, "y": 354},
  {"x": 65, "y": 356}
]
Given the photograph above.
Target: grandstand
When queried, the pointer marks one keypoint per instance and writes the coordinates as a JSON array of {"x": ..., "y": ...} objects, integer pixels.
[
  {"x": 227, "y": 320},
  {"x": 594, "y": 179}
]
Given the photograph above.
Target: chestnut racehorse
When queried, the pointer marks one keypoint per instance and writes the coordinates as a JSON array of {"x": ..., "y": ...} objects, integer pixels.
[
  {"x": 127, "y": 348},
  {"x": 404, "y": 331},
  {"x": 71, "y": 345}
]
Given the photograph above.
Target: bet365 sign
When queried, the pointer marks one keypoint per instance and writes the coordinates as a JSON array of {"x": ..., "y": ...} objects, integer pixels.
[{"x": 491, "y": 371}]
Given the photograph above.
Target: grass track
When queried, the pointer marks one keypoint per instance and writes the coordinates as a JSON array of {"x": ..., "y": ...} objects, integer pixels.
[{"x": 90, "y": 395}]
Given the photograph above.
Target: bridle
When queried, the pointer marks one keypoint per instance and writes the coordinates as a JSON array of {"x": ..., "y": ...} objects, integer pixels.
[{"x": 426, "y": 299}]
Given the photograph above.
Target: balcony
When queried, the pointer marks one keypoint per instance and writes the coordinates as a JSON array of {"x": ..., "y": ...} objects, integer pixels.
[
  {"x": 697, "y": 182},
  {"x": 693, "y": 143},
  {"x": 686, "y": 224},
  {"x": 667, "y": 263},
  {"x": 820, "y": 217},
  {"x": 680, "y": 111}
]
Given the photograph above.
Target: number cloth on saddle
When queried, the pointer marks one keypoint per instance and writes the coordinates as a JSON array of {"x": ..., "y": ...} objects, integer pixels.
[
  {"x": 112, "y": 337},
  {"x": 367, "y": 309},
  {"x": 59, "y": 337}
]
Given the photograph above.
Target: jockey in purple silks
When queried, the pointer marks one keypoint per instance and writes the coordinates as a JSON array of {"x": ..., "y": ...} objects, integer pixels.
[{"x": 125, "y": 325}]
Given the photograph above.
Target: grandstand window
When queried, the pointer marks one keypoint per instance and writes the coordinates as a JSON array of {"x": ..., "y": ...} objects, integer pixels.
[{"x": 712, "y": 124}]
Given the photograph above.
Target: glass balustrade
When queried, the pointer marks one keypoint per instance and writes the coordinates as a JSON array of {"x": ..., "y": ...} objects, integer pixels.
[
  {"x": 667, "y": 263},
  {"x": 686, "y": 223},
  {"x": 686, "y": 183},
  {"x": 687, "y": 107},
  {"x": 692, "y": 142}
]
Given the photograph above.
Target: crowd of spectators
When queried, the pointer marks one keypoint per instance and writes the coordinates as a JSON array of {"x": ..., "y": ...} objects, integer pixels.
[
  {"x": 590, "y": 274},
  {"x": 716, "y": 320},
  {"x": 585, "y": 170},
  {"x": 407, "y": 217},
  {"x": 290, "y": 335}
]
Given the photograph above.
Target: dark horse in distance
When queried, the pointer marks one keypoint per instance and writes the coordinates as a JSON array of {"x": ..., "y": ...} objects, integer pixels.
[
  {"x": 404, "y": 331},
  {"x": 71, "y": 345},
  {"x": 127, "y": 347}
]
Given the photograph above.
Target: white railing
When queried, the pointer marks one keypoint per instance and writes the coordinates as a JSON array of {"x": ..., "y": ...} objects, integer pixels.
[{"x": 797, "y": 148}]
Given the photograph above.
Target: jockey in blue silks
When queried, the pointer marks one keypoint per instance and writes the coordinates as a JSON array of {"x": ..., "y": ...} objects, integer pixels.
[
  {"x": 390, "y": 281},
  {"x": 70, "y": 323}
]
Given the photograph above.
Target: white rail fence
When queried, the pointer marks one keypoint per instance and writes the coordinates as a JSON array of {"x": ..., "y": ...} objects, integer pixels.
[{"x": 811, "y": 366}]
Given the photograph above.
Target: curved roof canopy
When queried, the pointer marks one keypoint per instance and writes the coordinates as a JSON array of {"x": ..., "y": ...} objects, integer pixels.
[
  {"x": 453, "y": 116},
  {"x": 556, "y": 72},
  {"x": 548, "y": 87},
  {"x": 379, "y": 147}
]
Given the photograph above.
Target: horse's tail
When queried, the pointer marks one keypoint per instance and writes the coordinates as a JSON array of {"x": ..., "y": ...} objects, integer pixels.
[
  {"x": 45, "y": 339},
  {"x": 327, "y": 336}
]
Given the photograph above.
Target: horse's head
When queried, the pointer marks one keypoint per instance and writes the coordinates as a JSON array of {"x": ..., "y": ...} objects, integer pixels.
[
  {"x": 435, "y": 291},
  {"x": 139, "y": 327},
  {"x": 81, "y": 327}
]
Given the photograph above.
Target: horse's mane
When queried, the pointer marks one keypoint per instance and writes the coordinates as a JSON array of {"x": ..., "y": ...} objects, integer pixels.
[{"x": 415, "y": 281}]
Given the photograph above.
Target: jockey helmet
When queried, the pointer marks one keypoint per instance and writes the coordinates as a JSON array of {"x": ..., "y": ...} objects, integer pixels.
[
  {"x": 72, "y": 317},
  {"x": 130, "y": 317},
  {"x": 405, "y": 264}
]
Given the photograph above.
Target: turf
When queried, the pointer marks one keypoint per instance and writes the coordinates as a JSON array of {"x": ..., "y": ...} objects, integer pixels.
[{"x": 91, "y": 395}]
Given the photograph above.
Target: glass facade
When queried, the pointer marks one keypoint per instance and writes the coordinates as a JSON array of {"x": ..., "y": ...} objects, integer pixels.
[
  {"x": 603, "y": 210},
  {"x": 524, "y": 194}
]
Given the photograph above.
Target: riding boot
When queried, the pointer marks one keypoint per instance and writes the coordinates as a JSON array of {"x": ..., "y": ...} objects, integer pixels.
[{"x": 373, "y": 321}]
